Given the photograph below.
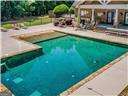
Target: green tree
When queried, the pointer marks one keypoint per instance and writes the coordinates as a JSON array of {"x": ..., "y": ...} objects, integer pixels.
[{"x": 11, "y": 10}]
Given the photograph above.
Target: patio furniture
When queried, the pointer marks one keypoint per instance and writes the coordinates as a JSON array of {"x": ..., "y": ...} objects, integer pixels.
[
  {"x": 3, "y": 29},
  {"x": 116, "y": 33},
  {"x": 15, "y": 25},
  {"x": 62, "y": 24},
  {"x": 121, "y": 32},
  {"x": 21, "y": 25},
  {"x": 82, "y": 26},
  {"x": 68, "y": 21},
  {"x": 55, "y": 22},
  {"x": 59, "y": 22},
  {"x": 85, "y": 25},
  {"x": 91, "y": 25},
  {"x": 117, "y": 29}
]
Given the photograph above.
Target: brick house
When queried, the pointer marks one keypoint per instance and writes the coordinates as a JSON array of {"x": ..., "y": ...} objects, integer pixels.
[{"x": 112, "y": 12}]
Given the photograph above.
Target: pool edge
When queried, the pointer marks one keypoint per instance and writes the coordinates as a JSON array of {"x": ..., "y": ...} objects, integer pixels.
[{"x": 73, "y": 88}]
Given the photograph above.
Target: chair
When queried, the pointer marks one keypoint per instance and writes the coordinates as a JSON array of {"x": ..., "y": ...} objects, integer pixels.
[
  {"x": 116, "y": 33},
  {"x": 21, "y": 25},
  {"x": 91, "y": 25},
  {"x": 121, "y": 32},
  {"x": 15, "y": 25},
  {"x": 3, "y": 29}
]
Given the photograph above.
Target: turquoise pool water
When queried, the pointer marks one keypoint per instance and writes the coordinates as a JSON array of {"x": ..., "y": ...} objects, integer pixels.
[{"x": 65, "y": 61}]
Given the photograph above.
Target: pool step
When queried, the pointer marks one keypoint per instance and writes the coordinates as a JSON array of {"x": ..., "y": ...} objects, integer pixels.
[
  {"x": 36, "y": 93},
  {"x": 21, "y": 58}
]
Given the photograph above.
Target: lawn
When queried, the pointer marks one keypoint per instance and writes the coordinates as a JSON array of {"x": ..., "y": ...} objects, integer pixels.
[{"x": 29, "y": 22}]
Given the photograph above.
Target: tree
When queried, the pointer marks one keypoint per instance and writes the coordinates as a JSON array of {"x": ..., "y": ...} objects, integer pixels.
[
  {"x": 60, "y": 9},
  {"x": 12, "y": 9}
]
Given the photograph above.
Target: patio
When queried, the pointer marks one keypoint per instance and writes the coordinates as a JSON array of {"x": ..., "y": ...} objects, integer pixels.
[{"x": 110, "y": 26}]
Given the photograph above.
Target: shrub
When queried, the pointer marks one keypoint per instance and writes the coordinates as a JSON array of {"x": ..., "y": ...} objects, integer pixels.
[{"x": 61, "y": 9}]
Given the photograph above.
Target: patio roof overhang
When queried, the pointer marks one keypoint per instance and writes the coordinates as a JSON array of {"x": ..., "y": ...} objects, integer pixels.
[{"x": 110, "y": 6}]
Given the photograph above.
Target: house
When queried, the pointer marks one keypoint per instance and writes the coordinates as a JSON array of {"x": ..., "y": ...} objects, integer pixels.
[{"x": 112, "y": 12}]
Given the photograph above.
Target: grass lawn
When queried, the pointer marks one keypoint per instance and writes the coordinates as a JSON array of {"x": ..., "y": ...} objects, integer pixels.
[{"x": 30, "y": 22}]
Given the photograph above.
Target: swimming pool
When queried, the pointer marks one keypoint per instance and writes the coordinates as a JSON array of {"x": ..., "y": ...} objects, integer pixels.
[{"x": 66, "y": 61}]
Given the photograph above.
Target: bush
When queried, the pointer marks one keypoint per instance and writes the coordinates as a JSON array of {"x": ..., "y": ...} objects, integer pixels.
[{"x": 61, "y": 9}]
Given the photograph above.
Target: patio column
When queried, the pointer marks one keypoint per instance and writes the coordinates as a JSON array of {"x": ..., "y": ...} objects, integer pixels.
[
  {"x": 116, "y": 19},
  {"x": 93, "y": 13},
  {"x": 78, "y": 17}
]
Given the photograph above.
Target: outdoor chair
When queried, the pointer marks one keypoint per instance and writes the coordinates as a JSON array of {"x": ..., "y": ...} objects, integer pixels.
[
  {"x": 3, "y": 29},
  {"x": 116, "y": 33},
  {"x": 90, "y": 25},
  {"x": 16, "y": 26},
  {"x": 68, "y": 21},
  {"x": 82, "y": 26},
  {"x": 56, "y": 22},
  {"x": 85, "y": 25},
  {"x": 62, "y": 24},
  {"x": 21, "y": 25}
]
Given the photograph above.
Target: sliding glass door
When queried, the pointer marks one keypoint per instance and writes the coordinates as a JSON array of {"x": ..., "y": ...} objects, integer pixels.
[{"x": 126, "y": 18}]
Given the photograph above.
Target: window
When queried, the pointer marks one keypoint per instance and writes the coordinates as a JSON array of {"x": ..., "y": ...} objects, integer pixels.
[{"x": 82, "y": 13}]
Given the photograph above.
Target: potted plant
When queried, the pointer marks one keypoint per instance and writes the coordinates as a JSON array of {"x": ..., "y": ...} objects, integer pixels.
[{"x": 60, "y": 10}]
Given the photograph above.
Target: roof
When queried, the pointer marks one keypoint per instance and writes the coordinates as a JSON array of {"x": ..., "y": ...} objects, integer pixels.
[{"x": 78, "y": 2}]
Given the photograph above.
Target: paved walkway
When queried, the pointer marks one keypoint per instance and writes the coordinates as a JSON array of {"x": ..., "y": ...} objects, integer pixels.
[
  {"x": 110, "y": 83},
  {"x": 11, "y": 46}
]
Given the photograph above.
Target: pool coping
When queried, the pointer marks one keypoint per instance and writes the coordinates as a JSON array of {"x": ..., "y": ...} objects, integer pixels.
[
  {"x": 94, "y": 38},
  {"x": 17, "y": 53},
  {"x": 26, "y": 42},
  {"x": 73, "y": 88}
]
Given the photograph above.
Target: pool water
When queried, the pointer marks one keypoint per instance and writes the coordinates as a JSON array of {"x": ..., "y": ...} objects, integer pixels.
[{"x": 65, "y": 61}]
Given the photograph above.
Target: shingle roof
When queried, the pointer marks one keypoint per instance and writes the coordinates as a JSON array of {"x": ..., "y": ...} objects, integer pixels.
[{"x": 78, "y": 2}]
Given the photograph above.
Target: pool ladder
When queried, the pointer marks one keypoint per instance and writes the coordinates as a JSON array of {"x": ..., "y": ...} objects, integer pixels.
[{"x": 4, "y": 64}]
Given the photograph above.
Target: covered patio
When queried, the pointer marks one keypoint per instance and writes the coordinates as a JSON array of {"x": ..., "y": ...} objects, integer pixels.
[{"x": 115, "y": 15}]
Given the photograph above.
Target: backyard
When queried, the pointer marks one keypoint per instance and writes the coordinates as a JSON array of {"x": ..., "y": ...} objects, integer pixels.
[{"x": 64, "y": 48}]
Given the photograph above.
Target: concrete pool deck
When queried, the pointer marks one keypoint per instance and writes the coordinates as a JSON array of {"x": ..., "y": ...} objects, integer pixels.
[
  {"x": 108, "y": 82},
  {"x": 114, "y": 79}
]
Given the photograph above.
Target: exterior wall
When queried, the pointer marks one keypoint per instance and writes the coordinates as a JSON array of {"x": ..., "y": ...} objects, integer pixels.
[
  {"x": 119, "y": 2},
  {"x": 112, "y": 2},
  {"x": 103, "y": 14}
]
